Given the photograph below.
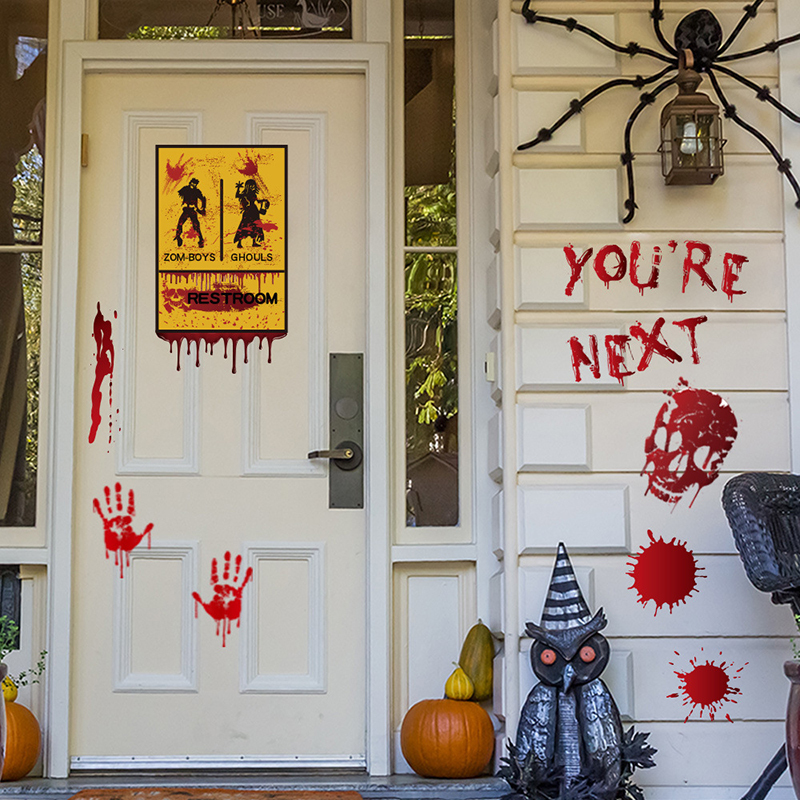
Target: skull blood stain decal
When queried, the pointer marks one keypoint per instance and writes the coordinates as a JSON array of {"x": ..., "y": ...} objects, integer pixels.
[
  {"x": 693, "y": 433},
  {"x": 103, "y": 368},
  {"x": 226, "y": 604},
  {"x": 120, "y": 538},
  {"x": 708, "y": 686},
  {"x": 664, "y": 572}
]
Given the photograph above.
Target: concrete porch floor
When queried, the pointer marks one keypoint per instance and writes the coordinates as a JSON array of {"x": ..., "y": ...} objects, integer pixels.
[{"x": 394, "y": 787}]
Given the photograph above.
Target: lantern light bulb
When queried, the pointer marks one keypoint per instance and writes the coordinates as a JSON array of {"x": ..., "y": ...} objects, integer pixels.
[{"x": 690, "y": 144}]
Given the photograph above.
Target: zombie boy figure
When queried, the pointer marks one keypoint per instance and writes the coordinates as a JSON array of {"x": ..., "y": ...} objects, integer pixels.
[
  {"x": 253, "y": 208},
  {"x": 194, "y": 202}
]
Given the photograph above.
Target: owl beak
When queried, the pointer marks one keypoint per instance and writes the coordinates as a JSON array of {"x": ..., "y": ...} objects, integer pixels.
[{"x": 568, "y": 675}]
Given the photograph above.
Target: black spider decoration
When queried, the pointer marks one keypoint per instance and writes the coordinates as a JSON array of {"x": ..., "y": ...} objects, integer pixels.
[{"x": 700, "y": 33}]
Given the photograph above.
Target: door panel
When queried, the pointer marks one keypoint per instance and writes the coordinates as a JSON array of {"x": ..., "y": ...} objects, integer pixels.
[{"x": 216, "y": 460}]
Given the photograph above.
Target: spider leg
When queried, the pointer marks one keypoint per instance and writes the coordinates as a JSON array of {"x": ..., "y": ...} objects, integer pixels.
[
  {"x": 762, "y": 92},
  {"x": 647, "y": 98},
  {"x": 749, "y": 13},
  {"x": 571, "y": 24},
  {"x": 579, "y": 103},
  {"x": 770, "y": 47},
  {"x": 784, "y": 165},
  {"x": 657, "y": 15}
]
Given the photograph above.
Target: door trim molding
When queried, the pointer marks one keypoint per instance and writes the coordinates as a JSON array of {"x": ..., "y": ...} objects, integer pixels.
[{"x": 79, "y": 59}]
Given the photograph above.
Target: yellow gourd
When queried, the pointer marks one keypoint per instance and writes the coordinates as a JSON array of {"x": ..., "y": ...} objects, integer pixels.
[
  {"x": 476, "y": 659},
  {"x": 9, "y": 690},
  {"x": 459, "y": 686}
]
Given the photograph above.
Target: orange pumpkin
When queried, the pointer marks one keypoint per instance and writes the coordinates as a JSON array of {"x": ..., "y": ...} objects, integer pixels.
[
  {"x": 447, "y": 738},
  {"x": 23, "y": 739}
]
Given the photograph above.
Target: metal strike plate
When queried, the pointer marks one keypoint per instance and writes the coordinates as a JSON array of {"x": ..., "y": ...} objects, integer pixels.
[{"x": 346, "y": 414}]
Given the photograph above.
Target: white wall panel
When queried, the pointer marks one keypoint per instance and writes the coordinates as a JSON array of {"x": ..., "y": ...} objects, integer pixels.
[
  {"x": 536, "y": 110},
  {"x": 567, "y": 198},
  {"x": 544, "y": 356},
  {"x": 497, "y": 603},
  {"x": 494, "y": 368},
  {"x": 542, "y": 277},
  {"x": 554, "y": 437},
  {"x": 763, "y": 688},
  {"x": 495, "y": 447},
  {"x": 763, "y": 428},
  {"x": 543, "y": 273},
  {"x": 702, "y": 525},
  {"x": 725, "y": 604},
  {"x": 538, "y": 49},
  {"x": 698, "y": 208},
  {"x": 593, "y": 518},
  {"x": 711, "y": 754},
  {"x": 493, "y": 293},
  {"x": 498, "y": 543},
  {"x": 639, "y": 28},
  {"x": 726, "y": 357}
]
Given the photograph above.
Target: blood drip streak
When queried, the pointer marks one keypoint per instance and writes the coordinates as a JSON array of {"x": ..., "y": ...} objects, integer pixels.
[
  {"x": 221, "y": 282},
  {"x": 104, "y": 366}
]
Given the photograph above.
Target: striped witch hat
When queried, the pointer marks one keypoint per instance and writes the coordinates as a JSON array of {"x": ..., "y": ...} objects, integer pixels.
[{"x": 564, "y": 607}]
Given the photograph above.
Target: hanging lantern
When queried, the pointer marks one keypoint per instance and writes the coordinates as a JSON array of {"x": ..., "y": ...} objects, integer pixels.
[{"x": 691, "y": 133}]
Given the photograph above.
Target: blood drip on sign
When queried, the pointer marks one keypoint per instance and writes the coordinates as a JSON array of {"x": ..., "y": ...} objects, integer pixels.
[
  {"x": 104, "y": 367},
  {"x": 213, "y": 282},
  {"x": 664, "y": 572},
  {"x": 708, "y": 686}
]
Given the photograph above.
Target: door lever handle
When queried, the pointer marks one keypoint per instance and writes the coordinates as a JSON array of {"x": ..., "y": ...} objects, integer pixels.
[{"x": 338, "y": 455}]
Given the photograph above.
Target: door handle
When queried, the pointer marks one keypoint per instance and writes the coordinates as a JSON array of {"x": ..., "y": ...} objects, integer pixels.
[{"x": 337, "y": 455}]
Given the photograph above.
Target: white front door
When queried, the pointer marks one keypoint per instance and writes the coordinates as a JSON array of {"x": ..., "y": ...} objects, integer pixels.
[{"x": 219, "y": 606}]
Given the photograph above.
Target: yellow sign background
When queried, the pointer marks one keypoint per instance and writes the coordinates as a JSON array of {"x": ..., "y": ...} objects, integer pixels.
[{"x": 221, "y": 238}]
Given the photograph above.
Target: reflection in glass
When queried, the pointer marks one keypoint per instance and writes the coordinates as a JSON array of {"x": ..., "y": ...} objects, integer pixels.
[
  {"x": 224, "y": 19},
  {"x": 23, "y": 66},
  {"x": 20, "y": 337},
  {"x": 431, "y": 301}
]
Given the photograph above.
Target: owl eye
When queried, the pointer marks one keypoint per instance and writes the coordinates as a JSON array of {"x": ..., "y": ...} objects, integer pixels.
[
  {"x": 548, "y": 656},
  {"x": 588, "y": 654}
]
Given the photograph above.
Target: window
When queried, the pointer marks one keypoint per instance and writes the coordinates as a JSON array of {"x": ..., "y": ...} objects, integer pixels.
[
  {"x": 431, "y": 266},
  {"x": 22, "y": 137}
]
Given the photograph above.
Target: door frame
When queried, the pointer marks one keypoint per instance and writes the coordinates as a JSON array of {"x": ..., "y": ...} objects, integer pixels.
[{"x": 252, "y": 57}]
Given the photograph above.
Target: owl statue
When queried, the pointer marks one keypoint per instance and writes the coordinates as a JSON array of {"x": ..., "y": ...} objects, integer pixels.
[{"x": 569, "y": 729}]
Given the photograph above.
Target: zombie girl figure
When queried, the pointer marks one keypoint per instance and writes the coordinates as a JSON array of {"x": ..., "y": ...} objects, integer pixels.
[
  {"x": 253, "y": 208},
  {"x": 194, "y": 203}
]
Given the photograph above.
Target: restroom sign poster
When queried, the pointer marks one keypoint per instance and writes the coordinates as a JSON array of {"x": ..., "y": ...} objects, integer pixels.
[{"x": 221, "y": 218}]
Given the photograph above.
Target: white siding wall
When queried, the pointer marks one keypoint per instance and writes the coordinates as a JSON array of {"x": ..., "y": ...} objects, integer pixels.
[{"x": 577, "y": 449}]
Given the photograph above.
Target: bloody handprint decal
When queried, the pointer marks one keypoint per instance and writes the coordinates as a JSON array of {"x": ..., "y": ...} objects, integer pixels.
[
  {"x": 226, "y": 604},
  {"x": 693, "y": 432},
  {"x": 119, "y": 535}
]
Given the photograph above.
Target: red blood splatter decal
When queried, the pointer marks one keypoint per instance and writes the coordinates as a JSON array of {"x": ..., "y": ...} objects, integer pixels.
[
  {"x": 120, "y": 538},
  {"x": 104, "y": 367},
  {"x": 664, "y": 572},
  {"x": 693, "y": 433},
  {"x": 707, "y": 685},
  {"x": 176, "y": 173},
  {"x": 226, "y": 604}
]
